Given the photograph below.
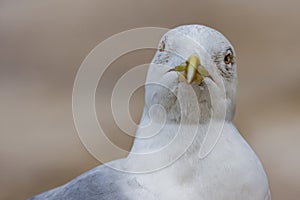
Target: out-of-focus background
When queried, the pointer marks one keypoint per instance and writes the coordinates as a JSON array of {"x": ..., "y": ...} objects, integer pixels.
[{"x": 42, "y": 44}]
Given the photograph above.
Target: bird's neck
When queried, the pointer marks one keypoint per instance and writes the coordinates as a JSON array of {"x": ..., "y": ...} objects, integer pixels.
[
  {"x": 182, "y": 117},
  {"x": 176, "y": 125},
  {"x": 160, "y": 145}
]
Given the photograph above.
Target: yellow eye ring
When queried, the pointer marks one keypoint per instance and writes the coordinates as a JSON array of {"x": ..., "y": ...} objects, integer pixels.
[{"x": 227, "y": 59}]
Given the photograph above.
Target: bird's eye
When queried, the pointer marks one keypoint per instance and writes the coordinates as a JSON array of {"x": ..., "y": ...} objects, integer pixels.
[
  {"x": 228, "y": 57},
  {"x": 162, "y": 46}
]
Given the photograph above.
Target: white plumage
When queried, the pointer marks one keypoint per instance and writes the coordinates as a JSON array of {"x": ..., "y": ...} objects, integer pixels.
[{"x": 187, "y": 146}]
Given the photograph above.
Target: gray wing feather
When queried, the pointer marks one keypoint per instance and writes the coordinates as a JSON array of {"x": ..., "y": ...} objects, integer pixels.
[{"x": 100, "y": 183}]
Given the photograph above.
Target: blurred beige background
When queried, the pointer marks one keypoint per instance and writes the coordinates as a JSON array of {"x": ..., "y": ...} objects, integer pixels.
[{"x": 42, "y": 44}]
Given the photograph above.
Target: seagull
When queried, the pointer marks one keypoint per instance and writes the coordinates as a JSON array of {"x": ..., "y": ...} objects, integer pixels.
[{"x": 186, "y": 145}]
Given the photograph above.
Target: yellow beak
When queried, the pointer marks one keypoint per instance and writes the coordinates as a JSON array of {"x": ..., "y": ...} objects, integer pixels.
[{"x": 191, "y": 70}]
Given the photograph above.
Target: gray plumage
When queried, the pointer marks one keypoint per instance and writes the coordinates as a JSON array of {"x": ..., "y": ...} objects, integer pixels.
[{"x": 100, "y": 183}]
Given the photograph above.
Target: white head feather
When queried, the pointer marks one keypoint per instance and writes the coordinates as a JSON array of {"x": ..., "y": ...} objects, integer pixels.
[
  {"x": 169, "y": 103},
  {"x": 211, "y": 47}
]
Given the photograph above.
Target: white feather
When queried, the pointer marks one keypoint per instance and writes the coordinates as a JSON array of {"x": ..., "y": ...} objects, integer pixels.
[{"x": 231, "y": 170}]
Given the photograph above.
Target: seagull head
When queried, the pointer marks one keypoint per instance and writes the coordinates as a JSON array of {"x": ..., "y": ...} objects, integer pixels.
[{"x": 197, "y": 57}]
